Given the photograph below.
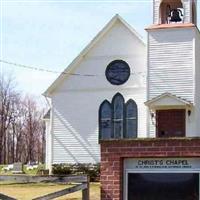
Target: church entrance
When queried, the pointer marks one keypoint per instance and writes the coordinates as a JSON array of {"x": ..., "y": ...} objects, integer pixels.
[
  {"x": 163, "y": 186},
  {"x": 170, "y": 123}
]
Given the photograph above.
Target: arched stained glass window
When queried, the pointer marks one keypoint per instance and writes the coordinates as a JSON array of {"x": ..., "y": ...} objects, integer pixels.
[
  {"x": 117, "y": 119},
  {"x": 118, "y": 115},
  {"x": 131, "y": 119},
  {"x": 105, "y": 120}
]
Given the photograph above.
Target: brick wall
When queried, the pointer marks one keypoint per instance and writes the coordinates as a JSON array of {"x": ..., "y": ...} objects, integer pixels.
[{"x": 114, "y": 152}]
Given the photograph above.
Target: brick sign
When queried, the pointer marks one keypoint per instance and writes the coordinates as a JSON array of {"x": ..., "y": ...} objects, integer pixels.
[{"x": 163, "y": 164}]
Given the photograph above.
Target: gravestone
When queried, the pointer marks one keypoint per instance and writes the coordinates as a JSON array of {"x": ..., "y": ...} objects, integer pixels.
[{"x": 18, "y": 168}]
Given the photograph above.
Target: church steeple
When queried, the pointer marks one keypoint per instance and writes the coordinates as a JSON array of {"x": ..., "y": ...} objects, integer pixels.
[
  {"x": 173, "y": 68},
  {"x": 175, "y": 11}
]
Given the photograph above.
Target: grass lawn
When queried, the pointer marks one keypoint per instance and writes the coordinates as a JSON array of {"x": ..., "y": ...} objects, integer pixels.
[{"x": 29, "y": 191}]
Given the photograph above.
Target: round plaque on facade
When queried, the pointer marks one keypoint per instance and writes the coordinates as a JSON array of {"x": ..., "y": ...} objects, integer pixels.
[{"x": 117, "y": 72}]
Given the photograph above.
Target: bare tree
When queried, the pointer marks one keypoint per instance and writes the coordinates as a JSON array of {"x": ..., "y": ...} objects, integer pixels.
[
  {"x": 34, "y": 129},
  {"x": 7, "y": 98},
  {"x": 21, "y": 125}
]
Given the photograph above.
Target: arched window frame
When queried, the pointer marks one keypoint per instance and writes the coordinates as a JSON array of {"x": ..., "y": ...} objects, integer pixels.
[
  {"x": 116, "y": 96},
  {"x": 114, "y": 120},
  {"x": 131, "y": 101},
  {"x": 105, "y": 102}
]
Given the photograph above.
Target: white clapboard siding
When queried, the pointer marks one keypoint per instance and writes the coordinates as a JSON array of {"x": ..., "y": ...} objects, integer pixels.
[
  {"x": 77, "y": 99},
  {"x": 76, "y": 124},
  {"x": 171, "y": 63},
  {"x": 73, "y": 130}
]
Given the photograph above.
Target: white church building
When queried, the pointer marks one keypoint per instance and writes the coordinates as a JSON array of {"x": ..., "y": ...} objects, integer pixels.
[
  {"x": 113, "y": 63},
  {"x": 134, "y": 99}
]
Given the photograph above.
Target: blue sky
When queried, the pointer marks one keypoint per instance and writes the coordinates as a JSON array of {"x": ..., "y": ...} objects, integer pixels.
[{"x": 50, "y": 34}]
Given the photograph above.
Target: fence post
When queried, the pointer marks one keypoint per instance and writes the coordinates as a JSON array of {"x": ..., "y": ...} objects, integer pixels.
[{"x": 86, "y": 192}]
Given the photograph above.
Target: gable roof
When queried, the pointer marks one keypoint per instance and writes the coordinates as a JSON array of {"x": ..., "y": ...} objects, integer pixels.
[
  {"x": 181, "y": 101},
  {"x": 79, "y": 58}
]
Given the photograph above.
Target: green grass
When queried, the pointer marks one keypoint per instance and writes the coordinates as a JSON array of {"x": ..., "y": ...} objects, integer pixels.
[{"x": 29, "y": 191}]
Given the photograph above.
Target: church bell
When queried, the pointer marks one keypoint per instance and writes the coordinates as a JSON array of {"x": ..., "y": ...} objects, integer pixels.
[{"x": 175, "y": 15}]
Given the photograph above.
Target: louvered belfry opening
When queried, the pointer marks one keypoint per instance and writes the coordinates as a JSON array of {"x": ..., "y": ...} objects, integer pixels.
[
  {"x": 170, "y": 123},
  {"x": 171, "y": 11}
]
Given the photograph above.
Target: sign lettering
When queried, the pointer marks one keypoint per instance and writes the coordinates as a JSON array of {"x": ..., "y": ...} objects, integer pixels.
[{"x": 163, "y": 163}]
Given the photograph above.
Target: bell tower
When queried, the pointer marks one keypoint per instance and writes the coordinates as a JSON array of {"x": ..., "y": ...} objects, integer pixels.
[
  {"x": 175, "y": 11},
  {"x": 173, "y": 70}
]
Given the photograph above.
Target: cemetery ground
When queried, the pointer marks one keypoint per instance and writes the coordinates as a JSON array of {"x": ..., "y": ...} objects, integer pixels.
[{"x": 28, "y": 191}]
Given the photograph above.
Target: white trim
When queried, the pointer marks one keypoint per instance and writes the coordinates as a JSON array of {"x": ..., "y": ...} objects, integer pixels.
[
  {"x": 147, "y": 86},
  {"x": 194, "y": 66},
  {"x": 152, "y": 102},
  {"x": 51, "y": 140}
]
